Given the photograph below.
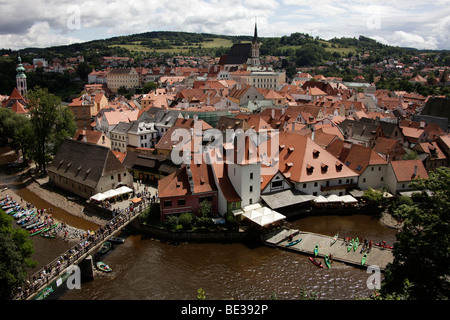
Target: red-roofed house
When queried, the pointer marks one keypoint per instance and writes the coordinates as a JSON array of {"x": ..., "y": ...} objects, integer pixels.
[
  {"x": 402, "y": 172},
  {"x": 183, "y": 190},
  {"x": 363, "y": 160},
  {"x": 312, "y": 169},
  {"x": 16, "y": 103},
  {"x": 435, "y": 157}
]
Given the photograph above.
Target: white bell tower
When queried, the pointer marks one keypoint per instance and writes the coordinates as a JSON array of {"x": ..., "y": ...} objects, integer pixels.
[{"x": 21, "y": 79}]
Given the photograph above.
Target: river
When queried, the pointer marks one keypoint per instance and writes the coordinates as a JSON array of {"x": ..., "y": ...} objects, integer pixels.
[{"x": 150, "y": 269}]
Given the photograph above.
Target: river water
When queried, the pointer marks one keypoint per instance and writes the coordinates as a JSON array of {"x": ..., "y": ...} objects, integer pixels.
[{"x": 150, "y": 269}]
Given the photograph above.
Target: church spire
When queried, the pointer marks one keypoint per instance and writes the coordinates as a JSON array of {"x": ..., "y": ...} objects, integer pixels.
[
  {"x": 255, "y": 48},
  {"x": 255, "y": 36}
]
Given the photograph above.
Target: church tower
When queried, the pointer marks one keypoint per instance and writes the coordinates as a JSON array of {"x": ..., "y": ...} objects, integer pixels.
[
  {"x": 21, "y": 79},
  {"x": 255, "y": 48}
]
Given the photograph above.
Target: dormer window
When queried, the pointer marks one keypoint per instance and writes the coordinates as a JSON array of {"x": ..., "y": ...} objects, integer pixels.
[
  {"x": 309, "y": 169},
  {"x": 338, "y": 166},
  {"x": 324, "y": 168},
  {"x": 316, "y": 153}
]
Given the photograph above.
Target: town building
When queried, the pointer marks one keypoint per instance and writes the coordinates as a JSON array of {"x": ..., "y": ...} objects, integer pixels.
[
  {"x": 86, "y": 169},
  {"x": 311, "y": 169},
  {"x": 370, "y": 166},
  {"x": 401, "y": 173},
  {"x": 91, "y": 136},
  {"x": 16, "y": 103},
  {"x": 242, "y": 55},
  {"x": 127, "y": 78},
  {"x": 185, "y": 189},
  {"x": 86, "y": 107}
]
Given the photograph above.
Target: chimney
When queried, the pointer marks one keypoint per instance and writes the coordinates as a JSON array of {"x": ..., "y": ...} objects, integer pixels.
[
  {"x": 415, "y": 171},
  {"x": 273, "y": 113}
]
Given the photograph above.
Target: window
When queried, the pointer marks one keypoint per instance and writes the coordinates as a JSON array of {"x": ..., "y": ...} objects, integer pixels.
[
  {"x": 382, "y": 178},
  {"x": 304, "y": 185},
  {"x": 277, "y": 184},
  {"x": 251, "y": 188},
  {"x": 315, "y": 184},
  {"x": 364, "y": 179},
  {"x": 251, "y": 175},
  {"x": 181, "y": 202},
  {"x": 250, "y": 201},
  {"x": 168, "y": 203}
]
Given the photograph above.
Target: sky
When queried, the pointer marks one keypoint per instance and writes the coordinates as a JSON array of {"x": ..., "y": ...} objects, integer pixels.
[{"x": 421, "y": 24}]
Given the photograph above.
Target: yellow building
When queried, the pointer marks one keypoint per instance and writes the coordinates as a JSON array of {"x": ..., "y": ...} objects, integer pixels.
[
  {"x": 122, "y": 77},
  {"x": 86, "y": 107}
]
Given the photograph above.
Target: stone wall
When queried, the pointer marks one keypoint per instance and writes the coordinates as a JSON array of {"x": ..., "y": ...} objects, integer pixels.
[{"x": 189, "y": 236}]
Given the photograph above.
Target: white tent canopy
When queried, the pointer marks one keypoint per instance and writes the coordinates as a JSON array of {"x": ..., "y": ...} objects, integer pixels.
[
  {"x": 334, "y": 198},
  {"x": 348, "y": 198},
  {"x": 320, "y": 199},
  {"x": 260, "y": 215},
  {"x": 111, "y": 193}
]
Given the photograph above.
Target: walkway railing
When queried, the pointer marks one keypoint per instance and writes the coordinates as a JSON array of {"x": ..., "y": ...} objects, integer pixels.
[{"x": 74, "y": 255}]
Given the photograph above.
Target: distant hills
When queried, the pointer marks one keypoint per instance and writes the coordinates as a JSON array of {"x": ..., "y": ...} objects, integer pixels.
[{"x": 172, "y": 42}]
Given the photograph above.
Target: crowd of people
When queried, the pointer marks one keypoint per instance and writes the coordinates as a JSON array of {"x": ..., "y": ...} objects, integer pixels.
[{"x": 87, "y": 241}]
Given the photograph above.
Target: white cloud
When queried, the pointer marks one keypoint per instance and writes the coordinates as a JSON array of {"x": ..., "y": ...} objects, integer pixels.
[{"x": 45, "y": 22}]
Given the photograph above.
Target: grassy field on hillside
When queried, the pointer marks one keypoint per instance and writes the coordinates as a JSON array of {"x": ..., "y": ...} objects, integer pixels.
[{"x": 216, "y": 43}]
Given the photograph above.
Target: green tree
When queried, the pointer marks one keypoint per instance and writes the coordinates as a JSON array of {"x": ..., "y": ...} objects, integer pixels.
[
  {"x": 16, "y": 249},
  {"x": 420, "y": 269},
  {"x": 83, "y": 69},
  {"x": 149, "y": 86},
  {"x": 51, "y": 123},
  {"x": 372, "y": 196}
]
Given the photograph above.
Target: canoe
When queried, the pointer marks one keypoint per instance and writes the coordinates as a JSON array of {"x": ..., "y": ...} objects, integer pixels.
[
  {"x": 316, "y": 250},
  {"x": 334, "y": 239},
  {"x": 364, "y": 258},
  {"x": 116, "y": 240},
  {"x": 293, "y": 242},
  {"x": 38, "y": 230},
  {"x": 105, "y": 247},
  {"x": 355, "y": 244},
  {"x": 350, "y": 245},
  {"x": 383, "y": 245},
  {"x": 50, "y": 227},
  {"x": 319, "y": 264},
  {"x": 48, "y": 235},
  {"x": 27, "y": 218},
  {"x": 103, "y": 267},
  {"x": 327, "y": 261}
]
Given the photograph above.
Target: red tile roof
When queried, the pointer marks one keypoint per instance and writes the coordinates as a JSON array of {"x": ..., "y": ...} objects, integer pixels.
[{"x": 404, "y": 170}]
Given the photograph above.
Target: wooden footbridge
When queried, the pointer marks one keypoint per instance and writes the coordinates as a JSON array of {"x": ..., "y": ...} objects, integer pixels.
[
  {"x": 377, "y": 256},
  {"x": 44, "y": 281}
]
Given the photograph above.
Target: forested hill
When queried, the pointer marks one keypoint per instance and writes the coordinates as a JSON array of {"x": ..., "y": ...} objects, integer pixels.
[{"x": 190, "y": 43}]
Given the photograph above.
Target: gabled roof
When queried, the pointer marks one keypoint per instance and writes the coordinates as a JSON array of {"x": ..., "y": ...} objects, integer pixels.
[
  {"x": 432, "y": 149},
  {"x": 88, "y": 135},
  {"x": 303, "y": 160},
  {"x": 387, "y": 146},
  {"x": 407, "y": 170},
  {"x": 239, "y": 53},
  {"x": 178, "y": 183},
  {"x": 355, "y": 156},
  {"x": 84, "y": 163}
]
